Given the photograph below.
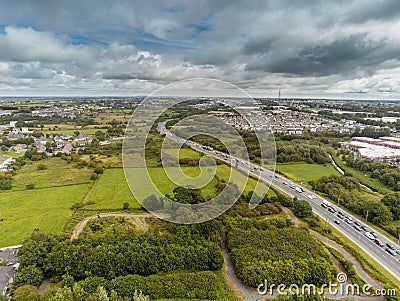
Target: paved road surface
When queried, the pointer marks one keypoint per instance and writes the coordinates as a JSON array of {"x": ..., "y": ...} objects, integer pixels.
[{"x": 379, "y": 254}]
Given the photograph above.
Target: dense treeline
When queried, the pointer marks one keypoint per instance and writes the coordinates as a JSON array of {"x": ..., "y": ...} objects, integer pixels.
[
  {"x": 384, "y": 172},
  {"x": 345, "y": 190},
  {"x": 299, "y": 151},
  {"x": 195, "y": 285},
  {"x": 110, "y": 257},
  {"x": 288, "y": 256},
  {"x": 371, "y": 132}
]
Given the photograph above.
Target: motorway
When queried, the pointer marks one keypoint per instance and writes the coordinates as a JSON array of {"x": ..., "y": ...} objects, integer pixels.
[{"x": 344, "y": 224}]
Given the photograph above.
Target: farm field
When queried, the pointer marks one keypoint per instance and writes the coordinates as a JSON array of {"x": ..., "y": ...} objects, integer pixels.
[
  {"x": 58, "y": 173},
  {"x": 306, "y": 172},
  {"x": 71, "y": 131},
  {"x": 111, "y": 189},
  {"x": 45, "y": 209}
]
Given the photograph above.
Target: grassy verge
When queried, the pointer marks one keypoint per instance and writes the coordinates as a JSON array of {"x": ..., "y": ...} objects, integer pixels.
[
  {"x": 44, "y": 209},
  {"x": 365, "y": 179}
]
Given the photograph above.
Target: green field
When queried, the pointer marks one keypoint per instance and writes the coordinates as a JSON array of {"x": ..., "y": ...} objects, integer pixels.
[
  {"x": 111, "y": 189},
  {"x": 306, "y": 172},
  {"x": 58, "y": 173},
  {"x": 12, "y": 153},
  {"x": 46, "y": 209},
  {"x": 88, "y": 131}
]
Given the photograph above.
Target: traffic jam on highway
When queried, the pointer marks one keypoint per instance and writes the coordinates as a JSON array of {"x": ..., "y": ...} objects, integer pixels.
[
  {"x": 339, "y": 219},
  {"x": 340, "y": 216}
]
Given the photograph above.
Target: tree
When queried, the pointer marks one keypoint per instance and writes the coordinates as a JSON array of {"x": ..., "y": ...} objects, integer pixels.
[
  {"x": 99, "y": 170},
  {"x": 153, "y": 203},
  {"x": 102, "y": 293},
  {"x": 302, "y": 208},
  {"x": 6, "y": 184},
  {"x": 392, "y": 201},
  {"x": 26, "y": 293},
  {"x": 186, "y": 195},
  {"x": 63, "y": 294},
  {"x": 100, "y": 136},
  {"x": 125, "y": 206},
  {"x": 41, "y": 166},
  {"x": 30, "y": 274},
  {"x": 138, "y": 296}
]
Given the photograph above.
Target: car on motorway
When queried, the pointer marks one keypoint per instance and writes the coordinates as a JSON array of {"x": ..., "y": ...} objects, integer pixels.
[
  {"x": 364, "y": 228},
  {"x": 336, "y": 222},
  {"x": 331, "y": 210},
  {"x": 358, "y": 228},
  {"x": 298, "y": 189},
  {"x": 349, "y": 221},
  {"x": 310, "y": 196},
  {"x": 369, "y": 235},
  {"x": 284, "y": 183},
  {"x": 390, "y": 251},
  {"x": 390, "y": 246},
  {"x": 325, "y": 204},
  {"x": 398, "y": 252},
  {"x": 357, "y": 223},
  {"x": 341, "y": 216},
  {"x": 373, "y": 234},
  {"x": 378, "y": 242}
]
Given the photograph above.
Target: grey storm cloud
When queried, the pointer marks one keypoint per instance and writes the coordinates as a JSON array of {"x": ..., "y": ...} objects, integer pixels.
[
  {"x": 103, "y": 45},
  {"x": 339, "y": 57}
]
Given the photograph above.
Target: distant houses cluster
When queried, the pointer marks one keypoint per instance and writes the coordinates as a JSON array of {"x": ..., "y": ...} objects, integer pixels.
[
  {"x": 282, "y": 120},
  {"x": 51, "y": 144}
]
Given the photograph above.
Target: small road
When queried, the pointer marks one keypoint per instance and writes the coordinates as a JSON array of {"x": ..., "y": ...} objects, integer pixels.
[
  {"x": 357, "y": 266},
  {"x": 291, "y": 215},
  {"x": 341, "y": 171},
  {"x": 230, "y": 271},
  {"x": 136, "y": 217}
]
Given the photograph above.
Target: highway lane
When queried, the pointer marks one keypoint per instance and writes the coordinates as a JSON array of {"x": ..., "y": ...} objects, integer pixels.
[{"x": 379, "y": 254}]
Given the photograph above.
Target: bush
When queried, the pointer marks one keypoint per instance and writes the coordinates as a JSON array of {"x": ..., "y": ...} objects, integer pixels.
[
  {"x": 30, "y": 186},
  {"x": 99, "y": 170},
  {"x": 41, "y": 166}
]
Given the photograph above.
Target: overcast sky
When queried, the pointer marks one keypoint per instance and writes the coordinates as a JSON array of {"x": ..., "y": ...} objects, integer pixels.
[{"x": 345, "y": 49}]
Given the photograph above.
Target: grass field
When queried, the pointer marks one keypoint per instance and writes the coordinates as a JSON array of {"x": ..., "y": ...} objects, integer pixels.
[
  {"x": 58, "y": 173},
  {"x": 306, "y": 172},
  {"x": 71, "y": 131},
  {"x": 45, "y": 209},
  {"x": 12, "y": 154},
  {"x": 362, "y": 177},
  {"x": 111, "y": 190}
]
